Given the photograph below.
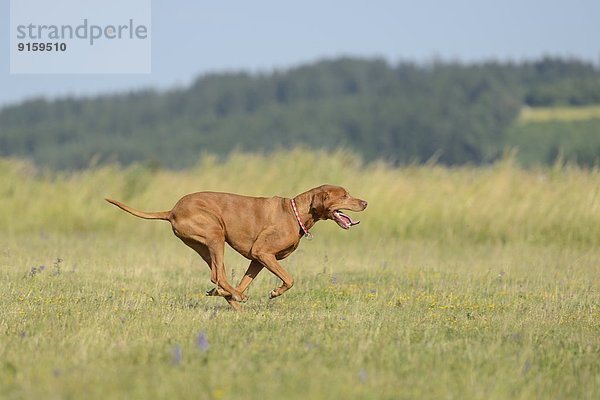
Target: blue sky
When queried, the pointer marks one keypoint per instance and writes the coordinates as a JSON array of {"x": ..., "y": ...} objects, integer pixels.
[{"x": 190, "y": 38}]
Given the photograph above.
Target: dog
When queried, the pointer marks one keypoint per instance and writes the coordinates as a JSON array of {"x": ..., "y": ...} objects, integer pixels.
[{"x": 263, "y": 230}]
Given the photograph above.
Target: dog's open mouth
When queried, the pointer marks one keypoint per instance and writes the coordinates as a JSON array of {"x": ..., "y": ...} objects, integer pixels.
[{"x": 343, "y": 220}]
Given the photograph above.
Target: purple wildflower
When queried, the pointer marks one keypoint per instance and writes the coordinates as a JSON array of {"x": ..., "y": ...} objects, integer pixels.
[
  {"x": 202, "y": 341},
  {"x": 363, "y": 375},
  {"x": 177, "y": 355}
]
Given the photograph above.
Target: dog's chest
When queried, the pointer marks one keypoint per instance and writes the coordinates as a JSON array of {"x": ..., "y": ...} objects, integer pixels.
[{"x": 287, "y": 251}]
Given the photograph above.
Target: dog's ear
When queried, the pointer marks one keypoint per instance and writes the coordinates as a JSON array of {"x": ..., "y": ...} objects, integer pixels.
[{"x": 318, "y": 203}]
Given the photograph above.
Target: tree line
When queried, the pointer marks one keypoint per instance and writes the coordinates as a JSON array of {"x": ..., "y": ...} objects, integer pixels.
[{"x": 405, "y": 112}]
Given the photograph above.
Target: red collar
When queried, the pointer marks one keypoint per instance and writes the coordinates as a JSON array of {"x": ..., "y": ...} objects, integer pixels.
[{"x": 304, "y": 230}]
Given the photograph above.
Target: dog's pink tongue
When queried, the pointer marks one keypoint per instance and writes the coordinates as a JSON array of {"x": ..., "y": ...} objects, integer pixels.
[{"x": 349, "y": 220}]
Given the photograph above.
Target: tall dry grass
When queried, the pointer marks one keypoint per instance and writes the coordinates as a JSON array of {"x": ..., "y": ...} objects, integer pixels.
[
  {"x": 498, "y": 203},
  {"x": 564, "y": 114}
]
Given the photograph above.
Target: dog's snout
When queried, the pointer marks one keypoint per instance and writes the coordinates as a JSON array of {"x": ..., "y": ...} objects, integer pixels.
[{"x": 364, "y": 204}]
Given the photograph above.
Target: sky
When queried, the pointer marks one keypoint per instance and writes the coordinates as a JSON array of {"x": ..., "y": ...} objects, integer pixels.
[{"x": 191, "y": 38}]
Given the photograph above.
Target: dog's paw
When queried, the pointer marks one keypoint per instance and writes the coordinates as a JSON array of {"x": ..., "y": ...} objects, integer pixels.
[
  {"x": 240, "y": 297},
  {"x": 273, "y": 294}
]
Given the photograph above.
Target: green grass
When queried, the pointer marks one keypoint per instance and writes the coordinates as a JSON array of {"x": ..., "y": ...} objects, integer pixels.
[
  {"x": 576, "y": 142},
  {"x": 459, "y": 283},
  {"x": 549, "y": 135}
]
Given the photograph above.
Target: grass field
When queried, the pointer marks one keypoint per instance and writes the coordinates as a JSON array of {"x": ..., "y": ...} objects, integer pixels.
[
  {"x": 559, "y": 114},
  {"x": 459, "y": 283},
  {"x": 549, "y": 135}
]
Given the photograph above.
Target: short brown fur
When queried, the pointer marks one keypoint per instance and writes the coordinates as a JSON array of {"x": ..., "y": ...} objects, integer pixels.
[{"x": 264, "y": 230}]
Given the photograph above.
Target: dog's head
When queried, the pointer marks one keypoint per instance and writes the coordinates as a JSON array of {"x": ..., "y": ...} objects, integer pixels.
[{"x": 328, "y": 202}]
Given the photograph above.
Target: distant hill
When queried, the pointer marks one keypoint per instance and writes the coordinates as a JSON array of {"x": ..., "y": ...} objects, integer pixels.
[
  {"x": 402, "y": 113},
  {"x": 557, "y": 134}
]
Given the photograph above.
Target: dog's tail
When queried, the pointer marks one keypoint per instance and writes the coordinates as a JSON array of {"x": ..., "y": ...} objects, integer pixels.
[{"x": 155, "y": 215}]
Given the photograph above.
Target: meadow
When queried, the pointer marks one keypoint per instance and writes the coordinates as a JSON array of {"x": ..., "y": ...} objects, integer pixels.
[
  {"x": 547, "y": 135},
  {"x": 558, "y": 114},
  {"x": 459, "y": 283}
]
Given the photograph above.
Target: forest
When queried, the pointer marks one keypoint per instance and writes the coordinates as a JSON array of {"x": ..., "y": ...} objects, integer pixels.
[{"x": 445, "y": 112}]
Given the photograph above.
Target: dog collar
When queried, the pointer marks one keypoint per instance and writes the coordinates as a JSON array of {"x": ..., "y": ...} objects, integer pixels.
[{"x": 305, "y": 231}]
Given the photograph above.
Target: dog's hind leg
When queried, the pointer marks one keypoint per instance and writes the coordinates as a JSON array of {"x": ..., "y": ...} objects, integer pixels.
[
  {"x": 253, "y": 269},
  {"x": 203, "y": 251},
  {"x": 216, "y": 247}
]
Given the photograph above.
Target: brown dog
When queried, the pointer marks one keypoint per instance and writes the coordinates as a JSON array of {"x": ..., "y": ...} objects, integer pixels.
[{"x": 261, "y": 229}]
